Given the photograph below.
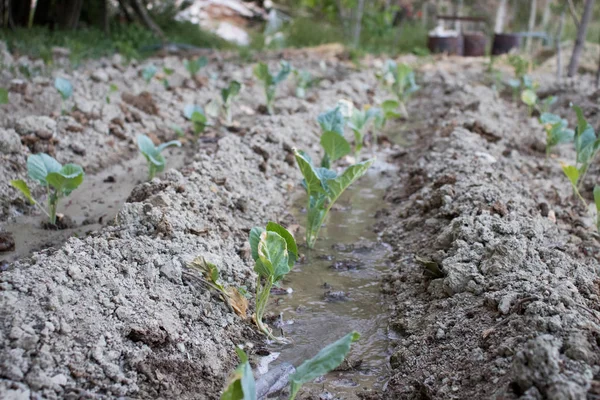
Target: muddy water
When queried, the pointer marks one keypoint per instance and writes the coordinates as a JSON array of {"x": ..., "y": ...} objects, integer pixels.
[
  {"x": 348, "y": 257},
  {"x": 96, "y": 201}
]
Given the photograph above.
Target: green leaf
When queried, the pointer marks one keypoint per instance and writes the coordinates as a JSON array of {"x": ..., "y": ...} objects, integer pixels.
[
  {"x": 335, "y": 187},
  {"x": 597, "y": 197},
  {"x": 3, "y": 96},
  {"x": 273, "y": 254},
  {"x": 22, "y": 186},
  {"x": 254, "y": 239},
  {"x": 168, "y": 71},
  {"x": 325, "y": 361},
  {"x": 311, "y": 177},
  {"x": 64, "y": 87},
  {"x": 261, "y": 72},
  {"x": 335, "y": 146},
  {"x": 528, "y": 97},
  {"x": 241, "y": 384},
  {"x": 332, "y": 120},
  {"x": 289, "y": 239},
  {"x": 40, "y": 165},
  {"x": 549, "y": 118},
  {"x": 150, "y": 152},
  {"x": 67, "y": 179},
  {"x": 190, "y": 109},
  {"x": 172, "y": 143},
  {"x": 227, "y": 94},
  {"x": 283, "y": 73},
  {"x": 572, "y": 173}
]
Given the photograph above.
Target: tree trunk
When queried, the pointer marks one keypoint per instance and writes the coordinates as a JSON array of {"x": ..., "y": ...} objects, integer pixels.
[
  {"x": 580, "y": 41},
  {"x": 531, "y": 25},
  {"x": 561, "y": 25},
  {"x": 43, "y": 13},
  {"x": 142, "y": 13},
  {"x": 357, "y": 23},
  {"x": 546, "y": 15},
  {"x": 20, "y": 11},
  {"x": 125, "y": 11},
  {"x": 500, "y": 17}
]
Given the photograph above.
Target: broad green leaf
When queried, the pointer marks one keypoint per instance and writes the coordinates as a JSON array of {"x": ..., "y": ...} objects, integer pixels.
[
  {"x": 326, "y": 360},
  {"x": 161, "y": 147},
  {"x": 289, "y": 239},
  {"x": 3, "y": 96},
  {"x": 332, "y": 120},
  {"x": 572, "y": 173},
  {"x": 514, "y": 83},
  {"x": 283, "y": 73},
  {"x": 558, "y": 134},
  {"x": 113, "y": 88},
  {"x": 261, "y": 72},
  {"x": 272, "y": 250},
  {"x": 549, "y": 118},
  {"x": 168, "y": 71},
  {"x": 254, "y": 239},
  {"x": 145, "y": 145},
  {"x": 22, "y": 186},
  {"x": 241, "y": 384},
  {"x": 231, "y": 91},
  {"x": 528, "y": 97},
  {"x": 335, "y": 146},
  {"x": 64, "y": 87},
  {"x": 67, "y": 179},
  {"x": 40, "y": 165},
  {"x": 190, "y": 109},
  {"x": 335, "y": 187},
  {"x": 311, "y": 178}
]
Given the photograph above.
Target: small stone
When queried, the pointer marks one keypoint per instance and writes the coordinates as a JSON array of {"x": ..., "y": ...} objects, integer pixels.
[
  {"x": 77, "y": 149},
  {"x": 30, "y": 125},
  {"x": 60, "y": 379},
  {"x": 100, "y": 76},
  {"x": 10, "y": 142}
]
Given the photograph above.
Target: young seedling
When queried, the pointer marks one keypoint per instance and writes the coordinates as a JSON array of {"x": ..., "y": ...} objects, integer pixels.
[
  {"x": 111, "y": 89},
  {"x": 544, "y": 105},
  {"x": 270, "y": 81},
  {"x": 156, "y": 161},
  {"x": 59, "y": 180},
  {"x": 241, "y": 384},
  {"x": 228, "y": 94},
  {"x": 167, "y": 72},
  {"x": 556, "y": 131},
  {"x": 193, "y": 66},
  {"x": 332, "y": 138},
  {"x": 274, "y": 252},
  {"x": 65, "y": 89},
  {"x": 530, "y": 99},
  {"x": 324, "y": 187},
  {"x": 196, "y": 114},
  {"x": 3, "y": 96},
  {"x": 148, "y": 72},
  {"x": 211, "y": 277},
  {"x": 304, "y": 81},
  {"x": 400, "y": 79},
  {"x": 586, "y": 148},
  {"x": 358, "y": 122}
]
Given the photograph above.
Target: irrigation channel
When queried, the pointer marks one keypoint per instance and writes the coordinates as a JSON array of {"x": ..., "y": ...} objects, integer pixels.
[{"x": 336, "y": 289}]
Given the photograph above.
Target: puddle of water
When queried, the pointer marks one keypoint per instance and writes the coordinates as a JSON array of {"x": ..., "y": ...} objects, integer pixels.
[
  {"x": 311, "y": 321},
  {"x": 97, "y": 200}
]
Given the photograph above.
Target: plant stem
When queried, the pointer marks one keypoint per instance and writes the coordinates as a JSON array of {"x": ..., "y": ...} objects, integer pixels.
[
  {"x": 262, "y": 298},
  {"x": 52, "y": 204}
]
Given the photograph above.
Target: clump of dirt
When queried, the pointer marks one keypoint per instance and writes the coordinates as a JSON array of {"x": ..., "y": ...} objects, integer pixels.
[{"x": 515, "y": 313}]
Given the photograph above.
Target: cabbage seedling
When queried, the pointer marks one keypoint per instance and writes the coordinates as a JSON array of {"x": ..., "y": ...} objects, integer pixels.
[
  {"x": 241, "y": 384},
  {"x": 148, "y": 72},
  {"x": 156, "y": 161},
  {"x": 193, "y": 66},
  {"x": 270, "y": 81},
  {"x": 359, "y": 119},
  {"x": 228, "y": 94},
  {"x": 304, "y": 81},
  {"x": 529, "y": 97},
  {"x": 65, "y": 89},
  {"x": 556, "y": 131},
  {"x": 324, "y": 187},
  {"x": 274, "y": 252},
  {"x": 544, "y": 105},
  {"x": 196, "y": 114},
  {"x": 168, "y": 72},
  {"x": 400, "y": 79},
  {"x": 111, "y": 89},
  {"x": 59, "y": 180},
  {"x": 332, "y": 140},
  {"x": 3, "y": 96}
]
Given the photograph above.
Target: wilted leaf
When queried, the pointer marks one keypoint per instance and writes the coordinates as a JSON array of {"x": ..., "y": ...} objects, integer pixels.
[
  {"x": 22, "y": 186},
  {"x": 431, "y": 268}
]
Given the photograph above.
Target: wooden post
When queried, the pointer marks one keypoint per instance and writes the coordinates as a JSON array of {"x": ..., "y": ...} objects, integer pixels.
[
  {"x": 531, "y": 25},
  {"x": 500, "y": 17},
  {"x": 580, "y": 41}
]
